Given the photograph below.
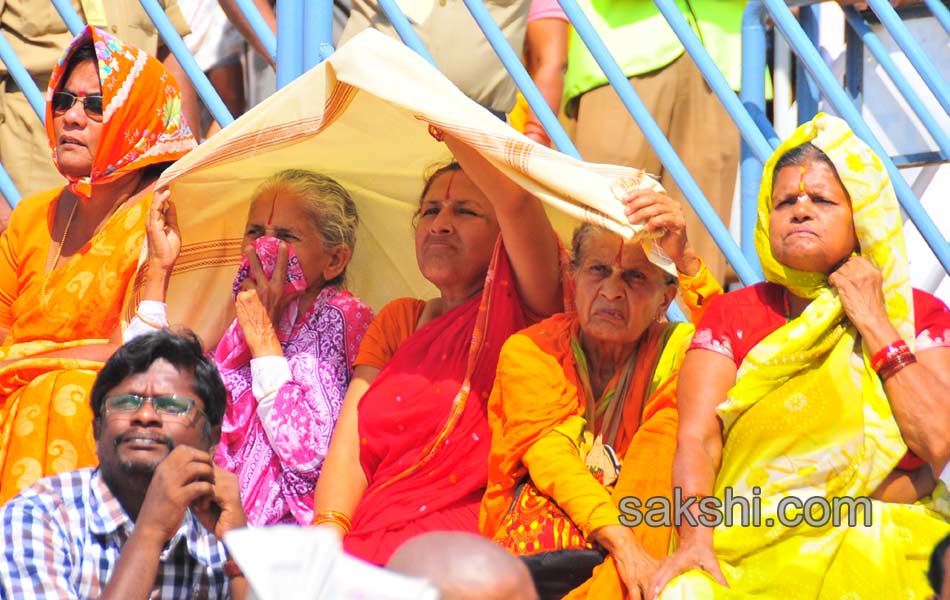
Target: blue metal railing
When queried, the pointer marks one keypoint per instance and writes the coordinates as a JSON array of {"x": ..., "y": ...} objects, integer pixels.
[
  {"x": 915, "y": 54},
  {"x": 806, "y": 52},
  {"x": 877, "y": 49},
  {"x": 304, "y": 38}
]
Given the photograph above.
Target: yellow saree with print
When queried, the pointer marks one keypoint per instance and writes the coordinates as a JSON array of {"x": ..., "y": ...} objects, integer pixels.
[{"x": 808, "y": 418}]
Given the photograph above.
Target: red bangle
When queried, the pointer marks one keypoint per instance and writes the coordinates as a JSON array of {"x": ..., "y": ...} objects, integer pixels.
[
  {"x": 888, "y": 352},
  {"x": 895, "y": 364}
]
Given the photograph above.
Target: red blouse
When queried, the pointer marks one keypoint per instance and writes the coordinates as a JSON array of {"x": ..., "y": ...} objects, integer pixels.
[{"x": 734, "y": 323}]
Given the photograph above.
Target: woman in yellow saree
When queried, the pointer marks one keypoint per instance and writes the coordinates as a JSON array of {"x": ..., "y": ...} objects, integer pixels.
[
  {"x": 69, "y": 256},
  {"x": 808, "y": 386}
]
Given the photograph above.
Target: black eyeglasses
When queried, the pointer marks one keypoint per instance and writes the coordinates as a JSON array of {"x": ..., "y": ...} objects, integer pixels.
[
  {"x": 171, "y": 405},
  {"x": 63, "y": 101}
]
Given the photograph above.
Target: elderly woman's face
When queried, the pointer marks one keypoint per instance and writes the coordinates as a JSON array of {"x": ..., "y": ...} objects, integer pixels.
[
  {"x": 77, "y": 135},
  {"x": 811, "y": 227},
  {"x": 456, "y": 233},
  {"x": 282, "y": 214},
  {"x": 619, "y": 292}
]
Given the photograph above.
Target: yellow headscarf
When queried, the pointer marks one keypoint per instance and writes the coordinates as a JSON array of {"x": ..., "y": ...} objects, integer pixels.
[{"x": 808, "y": 411}]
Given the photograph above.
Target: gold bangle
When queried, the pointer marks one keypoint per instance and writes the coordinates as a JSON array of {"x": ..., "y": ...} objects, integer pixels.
[
  {"x": 147, "y": 322},
  {"x": 332, "y": 516}
]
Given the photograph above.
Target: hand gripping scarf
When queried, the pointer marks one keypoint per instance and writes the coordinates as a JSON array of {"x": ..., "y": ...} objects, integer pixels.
[
  {"x": 142, "y": 123},
  {"x": 808, "y": 417}
]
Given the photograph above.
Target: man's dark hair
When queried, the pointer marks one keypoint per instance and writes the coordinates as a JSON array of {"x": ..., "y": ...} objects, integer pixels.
[
  {"x": 182, "y": 350},
  {"x": 935, "y": 573},
  {"x": 84, "y": 52}
]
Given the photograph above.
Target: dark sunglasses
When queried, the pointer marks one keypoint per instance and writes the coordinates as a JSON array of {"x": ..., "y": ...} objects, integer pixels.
[
  {"x": 171, "y": 405},
  {"x": 63, "y": 101}
]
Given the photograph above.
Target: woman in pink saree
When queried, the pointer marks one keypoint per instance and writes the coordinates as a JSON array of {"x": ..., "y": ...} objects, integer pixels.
[{"x": 287, "y": 358}]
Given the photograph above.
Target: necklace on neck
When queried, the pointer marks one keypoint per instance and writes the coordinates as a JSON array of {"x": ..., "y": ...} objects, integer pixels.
[{"x": 59, "y": 251}]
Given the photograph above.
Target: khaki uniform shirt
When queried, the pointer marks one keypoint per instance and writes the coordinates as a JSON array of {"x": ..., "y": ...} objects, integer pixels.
[{"x": 456, "y": 43}]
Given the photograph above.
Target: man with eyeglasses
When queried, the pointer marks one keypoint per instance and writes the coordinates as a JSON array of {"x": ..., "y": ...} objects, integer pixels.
[{"x": 147, "y": 522}]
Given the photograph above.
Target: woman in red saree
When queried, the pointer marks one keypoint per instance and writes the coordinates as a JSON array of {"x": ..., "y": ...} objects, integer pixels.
[
  {"x": 410, "y": 450},
  {"x": 68, "y": 258}
]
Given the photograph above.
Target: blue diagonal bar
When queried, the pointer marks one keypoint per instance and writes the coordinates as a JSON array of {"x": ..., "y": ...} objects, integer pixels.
[
  {"x": 516, "y": 69},
  {"x": 671, "y": 161},
  {"x": 940, "y": 12},
  {"x": 22, "y": 78},
  {"x": 915, "y": 54},
  {"x": 9, "y": 189},
  {"x": 73, "y": 21},
  {"x": 716, "y": 80},
  {"x": 259, "y": 26},
  {"x": 807, "y": 53},
  {"x": 882, "y": 56},
  {"x": 404, "y": 28},
  {"x": 174, "y": 42}
]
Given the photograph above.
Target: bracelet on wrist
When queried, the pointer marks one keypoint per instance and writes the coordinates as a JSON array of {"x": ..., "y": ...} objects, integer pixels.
[
  {"x": 333, "y": 516},
  {"x": 151, "y": 324},
  {"x": 889, "y": 351}
]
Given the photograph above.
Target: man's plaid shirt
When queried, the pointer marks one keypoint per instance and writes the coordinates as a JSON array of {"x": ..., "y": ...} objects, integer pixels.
[{"x": 62, "y": 538}]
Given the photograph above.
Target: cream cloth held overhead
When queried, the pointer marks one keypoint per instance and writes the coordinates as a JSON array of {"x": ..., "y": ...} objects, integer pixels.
[
  {"x": 808, "y": 417},
  {"x": 362, "y": 118}
]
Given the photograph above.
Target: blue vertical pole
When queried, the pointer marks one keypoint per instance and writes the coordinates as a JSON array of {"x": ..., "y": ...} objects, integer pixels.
[
  {"x": 317, "y": 31},
  {"x": 750, "y": 132},
  {"x": 752, "y": 93},
  {"x": 290, "y": 14},
  {"x": 806, "y": 92},
  {"x": 652, "y": 132}
]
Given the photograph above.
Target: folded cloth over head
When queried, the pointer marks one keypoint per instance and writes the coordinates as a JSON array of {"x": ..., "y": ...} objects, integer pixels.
[{"x": 362, "y": 117}]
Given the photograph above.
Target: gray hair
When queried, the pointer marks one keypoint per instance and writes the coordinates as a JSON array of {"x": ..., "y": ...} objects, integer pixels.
[
  {"x": 583, "y": 234},
  {"x": 329, "y": 204}
]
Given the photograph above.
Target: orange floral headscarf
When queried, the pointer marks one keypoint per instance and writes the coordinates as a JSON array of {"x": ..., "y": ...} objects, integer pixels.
[{"x": 142, "y": 122}]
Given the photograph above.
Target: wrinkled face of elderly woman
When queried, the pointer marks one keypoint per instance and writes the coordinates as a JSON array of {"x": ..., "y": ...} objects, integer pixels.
[
  {"x": 619, "y": 292},
  {"x": 455, "y": 233},
  {"x": 811, "y": 226}
]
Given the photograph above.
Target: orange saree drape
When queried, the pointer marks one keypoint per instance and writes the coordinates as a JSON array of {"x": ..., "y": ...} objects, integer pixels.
[
  {"x": 45, "y": 420},
  {"x": 537, "y": 389}
]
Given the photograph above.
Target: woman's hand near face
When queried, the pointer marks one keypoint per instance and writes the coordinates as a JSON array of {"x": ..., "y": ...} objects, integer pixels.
[
  {"x": 860, "y": 288},
  {"x": 256, "y": 324},
  {"x": 659, "y": 212},
  {"x": 270, "y": 290},
  {"x": 261, "y": 303},
  {"x": 164, "y": 244}
]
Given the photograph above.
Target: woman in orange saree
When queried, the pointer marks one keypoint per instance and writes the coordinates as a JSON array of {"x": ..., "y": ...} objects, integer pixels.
[
  {"x": 410, "y": 449},
  {"x": 69, "y": 255}
]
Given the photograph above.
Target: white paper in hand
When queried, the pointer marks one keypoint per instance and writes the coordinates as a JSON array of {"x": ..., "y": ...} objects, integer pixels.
[{"x": 308, "y": 563}]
